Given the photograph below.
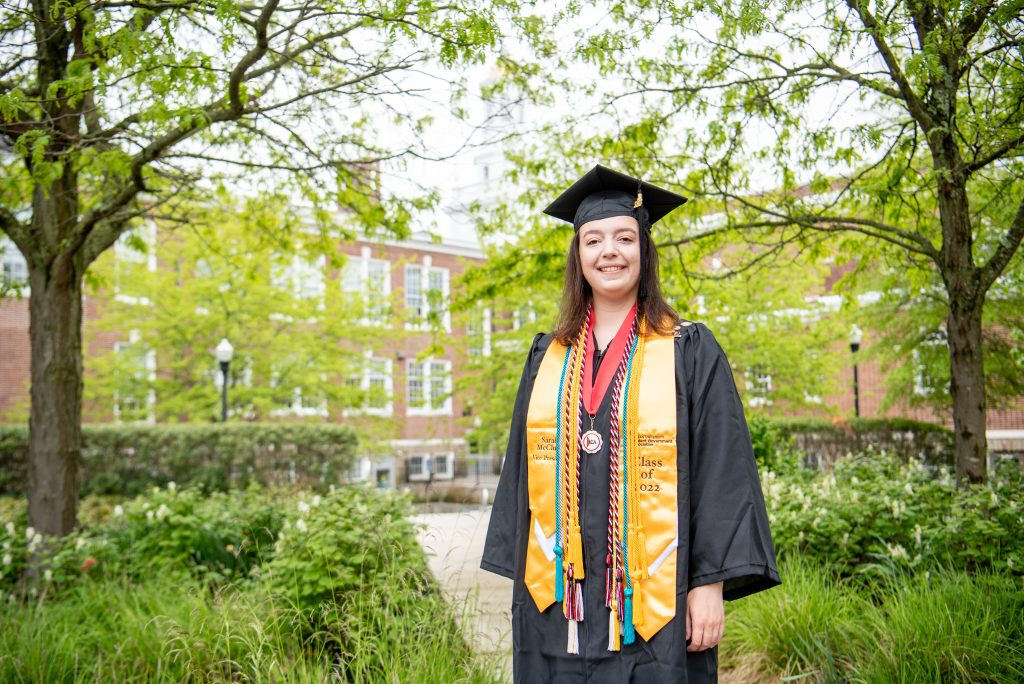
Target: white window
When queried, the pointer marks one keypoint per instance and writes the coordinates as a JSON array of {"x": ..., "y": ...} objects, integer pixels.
[
  {"x": 428, "y": 385},
  {"x": 374, "y": 384},
  {"x": 137, "y": 245},
  {"x": 523, "y": 316},
  {"x": 370, "y": 278},
  {"x": 419, "y": 467},
  {"x": 423, "y": 467},
  {"x": 15, "y": 268},
  {"x": 478, "y": 330},
  {"x": 426, "y": 293},
  {"x": 302, "y": 277},
  {"x": 759, "y": 386},
  {"x": 443, "y": 466},
  {"x": 135, "y": 371},
  {"x": 295, "y": 400}
]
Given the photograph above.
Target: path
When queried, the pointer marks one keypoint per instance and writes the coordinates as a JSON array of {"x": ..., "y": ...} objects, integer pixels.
[{"x": 454, "y": 542}]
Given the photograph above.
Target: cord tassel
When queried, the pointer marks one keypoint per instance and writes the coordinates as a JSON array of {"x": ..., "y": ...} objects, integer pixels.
[
  {"x": 559, "y": 575},
  {"x": 628, "y": 631},
  {"x": 572, "y": 644},
  {"x": 641, "y": 553},
  {"x": 638, "y": 606},
  {"x": 576, "y": 551}
]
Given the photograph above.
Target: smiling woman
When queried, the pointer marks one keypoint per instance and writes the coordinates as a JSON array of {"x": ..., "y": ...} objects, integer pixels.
[{"x": 629, "y": 495}]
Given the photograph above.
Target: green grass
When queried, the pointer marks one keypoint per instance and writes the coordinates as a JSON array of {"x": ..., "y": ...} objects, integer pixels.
[
  {"x": 167, "y": 629},
  {"x": 171, "y": 629},
  {"x": 936, "y": 627}
]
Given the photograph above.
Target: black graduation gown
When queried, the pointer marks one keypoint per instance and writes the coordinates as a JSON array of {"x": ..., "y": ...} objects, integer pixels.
[{"x": 723, "y": 529}]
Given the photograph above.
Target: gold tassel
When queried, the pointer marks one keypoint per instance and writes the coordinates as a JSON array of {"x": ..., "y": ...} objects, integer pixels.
[
  {"x": 638, "y": 604},
  {"x": 576, "y": 551},
  {"x": 641, "y": 553}
]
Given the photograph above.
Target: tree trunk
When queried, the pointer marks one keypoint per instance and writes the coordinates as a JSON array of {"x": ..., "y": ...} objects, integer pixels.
[
  {"x": 55, "y": 431},
  {"x": 963, "y": 323},
  {"x": 967, "y": 382}
]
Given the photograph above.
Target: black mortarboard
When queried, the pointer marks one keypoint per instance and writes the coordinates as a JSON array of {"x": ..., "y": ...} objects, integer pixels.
[{"x": 601, "y": 193}]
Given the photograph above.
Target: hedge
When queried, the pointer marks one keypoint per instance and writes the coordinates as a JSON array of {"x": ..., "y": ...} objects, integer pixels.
[
  {"x": 822, "y": 442},
  {"x": 127, "y": 459}
]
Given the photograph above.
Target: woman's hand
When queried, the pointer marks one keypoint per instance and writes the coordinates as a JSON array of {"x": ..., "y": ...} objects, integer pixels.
[{"x": 705, "y": 617}]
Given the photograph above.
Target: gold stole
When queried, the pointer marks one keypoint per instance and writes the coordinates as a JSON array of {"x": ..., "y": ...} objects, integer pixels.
[{"x": 657, "y": 467}]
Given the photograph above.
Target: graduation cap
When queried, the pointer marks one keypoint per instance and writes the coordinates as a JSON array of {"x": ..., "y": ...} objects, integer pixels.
[{"x": 602, "y": 192}]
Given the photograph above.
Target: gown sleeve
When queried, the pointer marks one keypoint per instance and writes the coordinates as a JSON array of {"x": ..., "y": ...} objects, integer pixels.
[
  {"x": 730, "y": 539},
  {"x": 500, "y": 544}
]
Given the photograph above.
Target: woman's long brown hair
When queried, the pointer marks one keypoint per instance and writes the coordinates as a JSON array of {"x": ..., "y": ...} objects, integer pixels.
[{"x": 577, "y": 295}]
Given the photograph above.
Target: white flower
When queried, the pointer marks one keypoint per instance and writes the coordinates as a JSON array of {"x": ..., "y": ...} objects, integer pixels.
[
  {"x": 300, "y": 525},
  {"x": 48, "y": 575},
  {"x": 855, "y": 497},
  {"x": 35, "y": 542},
  {"x": 79, "y": 543},
  {"x": 995, "y": 499},
  {"x": 303, "y": 508},
  {"x": 162, "y": 512},
  {"x": 896, "y": 551},
  {"x": 1009, "y": 563},
  {"x": 771, "y": 518},
  {"x": 316, "y": 501},
  {"x": 917, "y": 534},
  {"x": 855, "y": 480},
  {"x": 908, "y": 488},
  {"x": 118, "y": 511},
  {"x": 8, "y": 560},
  {"x": 815, "y": 522},
  {"x": 846, "y": 538},
  {"x": 171, "y": 486},
  {"x": 10, "y": 529},
  {"x": 30, "y": 532},
  {"x": 149, "y": 515}
]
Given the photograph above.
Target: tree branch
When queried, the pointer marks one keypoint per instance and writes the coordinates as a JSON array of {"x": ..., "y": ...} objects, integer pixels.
[
  {"x": 19, "y": 232},
  {"x": 251, "y": 57},
  {"x": 995, "y": 154},
  {"x": 1007, "y": 248},
  {"x": 913, "y": 102}
]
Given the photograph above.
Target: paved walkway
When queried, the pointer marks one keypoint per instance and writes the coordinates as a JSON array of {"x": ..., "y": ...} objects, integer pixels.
[{"x": 455, "y": 542}]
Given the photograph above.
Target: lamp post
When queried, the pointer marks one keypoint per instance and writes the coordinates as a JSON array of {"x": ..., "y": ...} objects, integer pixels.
[
  {"x": 224, "y": 353},
  {"x": 855, "y": 339}
]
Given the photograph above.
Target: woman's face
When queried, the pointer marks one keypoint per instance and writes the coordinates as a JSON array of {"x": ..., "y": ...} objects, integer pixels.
[{"x": 610, "y": 256}]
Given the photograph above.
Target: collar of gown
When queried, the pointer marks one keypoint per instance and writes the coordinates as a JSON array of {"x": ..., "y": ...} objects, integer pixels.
[{"x": 593, "y": 392}]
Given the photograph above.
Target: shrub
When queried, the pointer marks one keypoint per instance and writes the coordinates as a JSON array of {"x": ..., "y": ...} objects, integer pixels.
[
  {"x": 874, "y": 512},
  {"x": 129, "y": 459},
  {"x": 339, "y": 544},
  {"x": 172, "y": 530}
]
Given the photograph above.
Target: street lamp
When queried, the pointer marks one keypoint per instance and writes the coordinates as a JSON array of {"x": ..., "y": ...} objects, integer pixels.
[
  {"x": 855, "y": 338},
  {"x": 224, "y": 353}
]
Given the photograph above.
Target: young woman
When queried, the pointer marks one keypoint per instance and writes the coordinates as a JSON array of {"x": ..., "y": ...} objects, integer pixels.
[{"x": 629, "y": 506}]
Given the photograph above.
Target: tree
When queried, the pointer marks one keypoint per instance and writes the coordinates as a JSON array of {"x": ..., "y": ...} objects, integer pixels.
[
  {"x": 237, "y": 270},
  {"x": 110, "y": 111},
  {"x": 815, "y": 124}
]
